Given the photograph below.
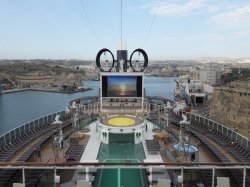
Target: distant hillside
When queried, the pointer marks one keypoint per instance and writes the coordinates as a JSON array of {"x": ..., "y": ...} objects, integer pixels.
[
  {"x": 236, "y": 75},
  {"x": 24, "y": 68},
  {"x": 37, "y": 73}
]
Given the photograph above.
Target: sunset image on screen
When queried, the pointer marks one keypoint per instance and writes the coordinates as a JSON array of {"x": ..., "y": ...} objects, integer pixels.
[{"x": 122, "y": 86}]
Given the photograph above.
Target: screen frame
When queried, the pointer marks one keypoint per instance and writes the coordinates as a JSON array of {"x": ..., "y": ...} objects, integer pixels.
[
  {"x": 103, "y": 108},
  {"x": 125, "y": 74}
]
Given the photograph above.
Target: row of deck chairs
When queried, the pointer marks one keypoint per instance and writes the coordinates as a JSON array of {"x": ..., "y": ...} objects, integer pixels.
[
  {"x": 74, "y": 152},
  {"x": 40, "y": 143},
  {"x": 9, "y": 150},
  {"x": 220, "y": 137},
  {"x": 199, "y": 133},
  {"x": 240, "y": 152},
  {"x": 203, "y": 133},
  {"x": 8, "y": 176},
  {"x": 236, "y": 174},
  {"x": 153, "y": 146},
  {"x": 214, "y": 134},
  {"x": 27, "y": 155},
  {"x": 32, "y": 177}
]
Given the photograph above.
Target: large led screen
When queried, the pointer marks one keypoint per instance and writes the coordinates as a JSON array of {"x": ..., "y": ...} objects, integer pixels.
[{"x": 121, "y": 86}]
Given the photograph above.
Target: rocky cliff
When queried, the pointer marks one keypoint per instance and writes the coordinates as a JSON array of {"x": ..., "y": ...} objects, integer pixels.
[{"x": 231, "y": 106}]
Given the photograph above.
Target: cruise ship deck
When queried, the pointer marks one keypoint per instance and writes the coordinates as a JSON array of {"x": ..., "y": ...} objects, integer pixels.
[
  {"x": 220, "y": 154},
  {"x": 124, "y": 138}
]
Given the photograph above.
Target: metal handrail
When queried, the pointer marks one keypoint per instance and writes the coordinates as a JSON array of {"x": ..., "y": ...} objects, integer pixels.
[
  {"x": 23, "y": 125},
  {"x": 195, "y": 165},
  {"x": 239, "y": 138},
  {"x": 229, "y": 130},
  {"x": 13, "y": 131},
  {"x": 181, "y": 167}
]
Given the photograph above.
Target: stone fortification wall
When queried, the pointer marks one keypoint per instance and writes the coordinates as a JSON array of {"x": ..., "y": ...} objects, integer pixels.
[{"x": 231, "y": 107}]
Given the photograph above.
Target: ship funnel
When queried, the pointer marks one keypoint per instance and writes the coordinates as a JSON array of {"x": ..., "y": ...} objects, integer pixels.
[{"x": 122, "y": 58}]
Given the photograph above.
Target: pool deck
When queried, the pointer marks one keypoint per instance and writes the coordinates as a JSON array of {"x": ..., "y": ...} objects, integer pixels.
[
  {"x": 91, "y": 151},
  {"x": 92, "y": 148},
  {"x": 92, "y": 145}
]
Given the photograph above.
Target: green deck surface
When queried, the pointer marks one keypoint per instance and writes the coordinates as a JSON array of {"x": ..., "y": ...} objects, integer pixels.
[
  {"x": 121, "y": 152},
  {"x": 121, "y": 177}
]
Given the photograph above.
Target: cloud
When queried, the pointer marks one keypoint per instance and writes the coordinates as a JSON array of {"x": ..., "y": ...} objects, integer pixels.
[
  {"x": 224, "y": 15},
  {"x": 178, "y": 8},
  {"x": 237, "y": 18}
]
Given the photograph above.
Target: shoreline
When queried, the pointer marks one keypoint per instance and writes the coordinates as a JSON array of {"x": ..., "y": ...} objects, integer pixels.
[{"x": 42, "y": 90}]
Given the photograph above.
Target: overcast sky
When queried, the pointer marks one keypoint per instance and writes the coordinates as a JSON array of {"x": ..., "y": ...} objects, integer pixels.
[{"x": 165, "y": 29}]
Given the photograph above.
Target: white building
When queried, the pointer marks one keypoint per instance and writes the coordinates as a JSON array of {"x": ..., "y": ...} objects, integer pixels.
[{"x": 209, "y": 73}]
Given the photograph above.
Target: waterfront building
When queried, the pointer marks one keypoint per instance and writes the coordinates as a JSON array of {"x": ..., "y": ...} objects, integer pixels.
[{"x": 208, "y": 73}]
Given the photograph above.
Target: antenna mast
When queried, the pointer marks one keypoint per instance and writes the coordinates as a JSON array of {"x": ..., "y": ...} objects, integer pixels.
[{"x": 121, "y": 24}]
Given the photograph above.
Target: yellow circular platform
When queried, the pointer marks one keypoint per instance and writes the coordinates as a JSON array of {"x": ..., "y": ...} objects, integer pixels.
[{"x": 121, "y": 122}]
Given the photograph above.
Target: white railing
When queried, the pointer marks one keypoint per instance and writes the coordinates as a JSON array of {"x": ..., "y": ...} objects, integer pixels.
[
  {"x": 213, "y": 125},
  {"x": 182, "y": 171},
  {"x": 91, "y": 106},
  {"x": 27, "y": 127}
]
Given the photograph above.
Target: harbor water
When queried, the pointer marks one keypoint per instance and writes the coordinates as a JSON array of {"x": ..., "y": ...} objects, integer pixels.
[{"x": 21, "y": 107}]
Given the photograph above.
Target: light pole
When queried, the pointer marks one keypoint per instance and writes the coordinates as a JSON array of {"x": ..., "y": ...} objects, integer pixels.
[
  {"x": 184, "y": 137},
  {"x": 167, "y": 110},
  {"x": 74, "y": 108},
  {"x": 58, "y": 138}
]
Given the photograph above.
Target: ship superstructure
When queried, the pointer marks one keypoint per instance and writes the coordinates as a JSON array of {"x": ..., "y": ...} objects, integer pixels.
[{"x": 194, "y": 92}]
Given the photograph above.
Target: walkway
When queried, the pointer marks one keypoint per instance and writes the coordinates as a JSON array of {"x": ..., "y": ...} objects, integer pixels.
[
  {"x": 91, "y": 151},
  {"x": 149, "y": 136}
]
